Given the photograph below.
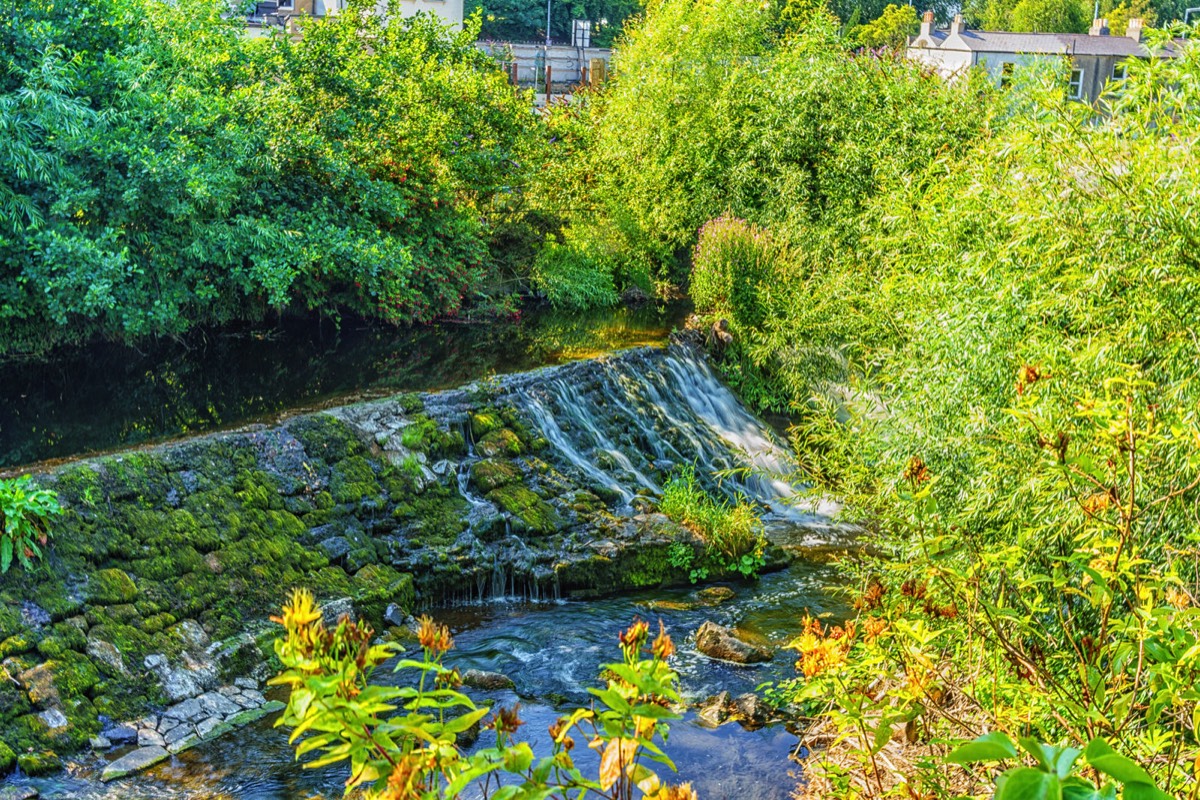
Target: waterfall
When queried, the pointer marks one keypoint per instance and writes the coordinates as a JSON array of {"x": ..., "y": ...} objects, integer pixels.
[{"x": 625, "y": 421}]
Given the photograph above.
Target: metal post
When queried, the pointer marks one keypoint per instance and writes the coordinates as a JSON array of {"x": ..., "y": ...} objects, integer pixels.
[
  {"x": 548, "y": 24},
  {"x": 1188, "y": 13}
]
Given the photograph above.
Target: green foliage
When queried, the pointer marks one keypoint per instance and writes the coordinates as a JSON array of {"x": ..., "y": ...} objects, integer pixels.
[
  {"x": 730, "y": 120},
  {"x": 25, "y": 514},
  {"x": 159, "y": 169},
  {"x": 525, "y": 21},
  {"x": 732, "y": 534},
  {"x": 1044, "y": 16},
  {"x": 1056, "y": 774},
  {"x": 572, "y": 277},
  {"x": 400, "y": 740},
  {"x": 1008, "y": 395}
]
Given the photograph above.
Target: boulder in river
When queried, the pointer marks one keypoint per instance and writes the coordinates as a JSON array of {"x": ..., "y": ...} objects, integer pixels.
[
  {"x": 136, "y": 761},
  {"x": 723, "y": 643},
  {"x": 487, "y": 681}
]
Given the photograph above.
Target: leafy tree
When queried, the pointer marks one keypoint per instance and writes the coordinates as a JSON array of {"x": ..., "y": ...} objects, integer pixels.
[
  {"x": 891, "y": 29},
  {"x": 1050, "y": 16},
  {"x": 525, "y": 20}
]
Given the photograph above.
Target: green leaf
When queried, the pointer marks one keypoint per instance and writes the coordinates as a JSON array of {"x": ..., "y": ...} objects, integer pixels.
[
  {"x": 1100, "y": 755},
  {"x": 994, "y": 746},
  {"x": 1026, "y": 783}
]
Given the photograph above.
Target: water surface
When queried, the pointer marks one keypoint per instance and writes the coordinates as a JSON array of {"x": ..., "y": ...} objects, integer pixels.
[{"x": 107, "y": 396}]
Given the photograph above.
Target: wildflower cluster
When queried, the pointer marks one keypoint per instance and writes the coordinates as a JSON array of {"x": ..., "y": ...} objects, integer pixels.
[{"x": 402, "y": 741}]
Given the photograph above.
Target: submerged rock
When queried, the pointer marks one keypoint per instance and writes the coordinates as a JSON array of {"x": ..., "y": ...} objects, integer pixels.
[
  {"x": 723, "y": 643},
  {"x": 487, "y": 681},
  {"x": 713, "y": 595},
  {"x": 138, "y": 760}
]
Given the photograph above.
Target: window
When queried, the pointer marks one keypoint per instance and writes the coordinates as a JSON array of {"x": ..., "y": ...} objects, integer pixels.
[
  {"x": 287, "y": 5},
  {"x": 1119, "y": 70},
  {"x": 1075, "y": 87},
  {"x": 1006, "y": 74}
]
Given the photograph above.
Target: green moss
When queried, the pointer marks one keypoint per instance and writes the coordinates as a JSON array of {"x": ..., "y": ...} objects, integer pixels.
[
  {"x": 533, "y": 512},
  {"x": 326, "y": 437},
  {"x": 8, "y": 759},
  {"x": 111, "y": 586},
  {"x": 37, "y": 764},
  {"x": 15, "y": 645},
  {"x": 74, "y": 674},
  {"x": 354, "y": 480},
  {"x": 499, "y": 442},
  {"x": 437, "y": 514},
  {"x": 378, "y": 585},
  {"x": 493, "y": 473},
  {"x": 484, "y": 422}
]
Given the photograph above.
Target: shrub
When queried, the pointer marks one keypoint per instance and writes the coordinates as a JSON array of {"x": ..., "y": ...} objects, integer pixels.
[
  {"x": 25, "y": 514},
  {"x": 732, "y": 533},
  {"x": 732, "y": 264},
  {"x": 571, "y": 276}
]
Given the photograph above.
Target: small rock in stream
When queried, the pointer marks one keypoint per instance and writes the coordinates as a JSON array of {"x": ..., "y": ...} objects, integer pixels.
[
  {"x": 136, "y": 761},
  {"x": 722, "y": 643},
  {"x": 487, "y": 681}
]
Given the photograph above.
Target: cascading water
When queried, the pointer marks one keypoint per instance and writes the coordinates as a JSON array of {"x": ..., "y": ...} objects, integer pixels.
[{"x": 626, "y": 421}]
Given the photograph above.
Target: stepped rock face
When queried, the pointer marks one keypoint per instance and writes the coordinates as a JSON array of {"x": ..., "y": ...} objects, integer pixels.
[{"x": 167, "y": 560}]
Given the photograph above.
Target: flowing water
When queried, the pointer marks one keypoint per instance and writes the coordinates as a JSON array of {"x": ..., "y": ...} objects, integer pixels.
[{"x": 622, "y": 423}]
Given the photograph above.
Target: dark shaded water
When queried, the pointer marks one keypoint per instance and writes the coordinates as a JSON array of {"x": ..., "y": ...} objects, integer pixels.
[
  {"x": 552, "y": 651},
  {"x": 108, "y": 396}
]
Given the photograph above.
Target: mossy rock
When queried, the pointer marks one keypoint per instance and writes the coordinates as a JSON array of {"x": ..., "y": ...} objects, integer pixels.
[
  {"x": 502, "y": 442},
  {"x": 37, "y": 764},
  {"x": 326, "y": 437},
  {"x": 74, "y": 674},
  {"x": 377, "y": 585},
  {"x": 110, "y": 586},
  {"x": 533, "y": 512},
  {"x": 354, "y": 480},
  {"x": 484, "y": 422},
  {"x": 493, "y": 473},
  {"x": 8, "y": 759}
]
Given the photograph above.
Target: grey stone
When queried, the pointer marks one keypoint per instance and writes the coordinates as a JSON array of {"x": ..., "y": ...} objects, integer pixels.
[
  {"x": 186, "y": 743},
  {"x": 336, "y": 547},
  {"x": 218, "y": 705},
  {"x": 245, "y": 683},
  {"x": 34, "y": 615},
  {"x": 395, "y": 616},
  {"x": 136, "y": 761},
  {"x": 177, "y": 684},
  {"x": 179, "y": 733},
  {"x": 99, "y": 743},
  {"x": 54, "y": 719},
  {"x": 229, "y": 691},
  {"x": 120, "y": 734},
  {"x": 243, "y": 701},
  {"x": 167, "y": 723},
  {"x": 714, "y": 711},
  {"x": 334, "y": 610},
  {"x": 254, "y": 696},
  {"x": 752, "y": 712},
  {"x": 212, "y": 727},
  {"x": 189, "y": 710},
  {"x": 150, "y": 738},
  {"x": 194, "y": 637},
  {"x": 107, "y": 654}
]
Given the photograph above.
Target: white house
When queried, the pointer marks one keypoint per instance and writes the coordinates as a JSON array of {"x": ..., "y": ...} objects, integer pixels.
[
  {"x": 1096, "y": 56},
  {"x": 281, "y": 12}
]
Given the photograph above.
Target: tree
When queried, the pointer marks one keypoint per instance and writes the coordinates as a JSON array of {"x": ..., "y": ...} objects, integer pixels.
[
  {"x": 891, "y": 29},
  {"x": 1050, "y": 16}
]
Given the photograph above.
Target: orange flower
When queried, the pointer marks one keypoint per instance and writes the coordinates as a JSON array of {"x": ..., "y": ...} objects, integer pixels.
[
  {"x": 633, "y": 638},
  {"x": 433, "y": 636},
  {"x": 663, "y": 648}
]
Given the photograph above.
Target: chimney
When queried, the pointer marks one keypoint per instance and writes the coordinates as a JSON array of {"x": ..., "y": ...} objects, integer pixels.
[
  {"x": 1099, "y": 27},
  {"x": 957, "y": 26},
  {"x": 927, "y": 25},
  {"x": 1134, "y": 31}
]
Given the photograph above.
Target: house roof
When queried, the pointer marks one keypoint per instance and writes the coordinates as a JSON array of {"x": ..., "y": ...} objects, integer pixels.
[{"x": 1042, "y": 43}]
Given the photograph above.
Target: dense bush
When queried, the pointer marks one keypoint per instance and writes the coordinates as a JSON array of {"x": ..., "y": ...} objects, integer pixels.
[
  {"x": 158, "y": 169},
  {"x": 1005, "y": 390},
  {"x": 732, "y": 532}
]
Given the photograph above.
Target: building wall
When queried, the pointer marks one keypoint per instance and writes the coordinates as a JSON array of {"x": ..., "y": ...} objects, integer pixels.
[
  {"x": 1097, "y": 70},
  {"x": 566, "y": 63}
]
